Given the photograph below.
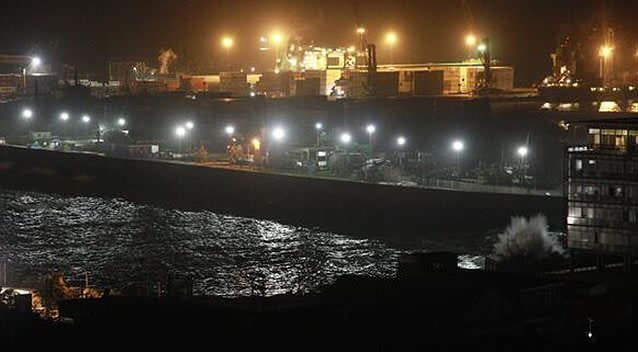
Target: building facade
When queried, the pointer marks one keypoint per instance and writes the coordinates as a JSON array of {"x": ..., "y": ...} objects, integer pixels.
[{"x": 602, "y": 185}]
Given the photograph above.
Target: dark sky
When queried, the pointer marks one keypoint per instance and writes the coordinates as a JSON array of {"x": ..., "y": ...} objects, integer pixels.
[{"x": 90, "y": 33}]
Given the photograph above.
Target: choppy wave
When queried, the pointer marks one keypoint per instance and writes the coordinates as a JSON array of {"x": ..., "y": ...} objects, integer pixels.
[{"x": 118, "y": 242}]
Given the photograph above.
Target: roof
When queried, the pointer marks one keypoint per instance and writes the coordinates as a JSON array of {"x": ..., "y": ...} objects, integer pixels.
[{"x": 627, "y": 121}]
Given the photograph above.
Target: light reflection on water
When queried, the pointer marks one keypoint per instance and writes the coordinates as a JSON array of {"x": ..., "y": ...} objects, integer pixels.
[{"x": 118, "y": 242}]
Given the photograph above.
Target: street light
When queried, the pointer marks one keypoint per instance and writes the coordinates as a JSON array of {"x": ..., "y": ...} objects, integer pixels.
[
  {"x": 230, "y": 130},
  {"x": 227, "y": 42},
  {"x": 470, "y": 40},
  {"x": 457, "y": 147},
  {"x": 180, "y": 131},
  {"x": 277, "y": 39},
  {"x": 361, "y": 30},
  {"x": 391, "y": 39},
  {"x": 605, "y": 52},
  {"x": 190, "y": 125},
  {"x": 345, "y": 138},
  {"x": 401, "y": 141},
  {"x": 35, "y": 62},
  {"x": 64, "y": 116},
  {"x": 522, "y": 153},
  {"x": 318, "y": 128},
  {"x": 27, "y": 114},
  {"x": 121, "y": 122},
  {"x": 482, "y": 48},
  {"x": 370, "y": 129},
  {"x": 278, "y": 134},
  {"x": 86, "y": 118}
]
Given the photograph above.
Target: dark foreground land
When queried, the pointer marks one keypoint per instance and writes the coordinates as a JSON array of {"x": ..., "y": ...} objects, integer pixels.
[{"x": 428, "y": 305}]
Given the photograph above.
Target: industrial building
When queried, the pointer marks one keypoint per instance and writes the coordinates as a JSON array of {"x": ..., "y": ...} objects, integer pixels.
[{"x": 602, "y": 179}]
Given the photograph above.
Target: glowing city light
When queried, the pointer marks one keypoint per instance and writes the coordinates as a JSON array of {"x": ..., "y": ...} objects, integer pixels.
[
  {"x": 190, "y": 125},
  {"x": 470, "y": 40},
  {"x": 227, "y": 42},
  {"x": 230, "y": 130},
  {"x": 27, "y": 113},
  {"x": 318, "y": 126},
  {"x": 86, "y": 118},
  {"x": 278, "y": 133},
  {"x": 361, "y": 30},
  {"x": 371, "y": 129},
  {"x": 256, "y": 143},
  {"x": 121, "y": 121},
  {"x": 458, "y": 146},
  {"x": 522, "y": 151},
  {"x": 277, "y": 38},
  {"x": 64, "y": 116},
  {"x": 180, "y": 131},
  {"x": 401, "y": 141},
  {"x": 345, "y": 138},
  {"x": 482, "y": 47},
  {"x": 35, "y": 62},
  {"x": 605, "y": 51},
  {"x": 391, "y": 38}
]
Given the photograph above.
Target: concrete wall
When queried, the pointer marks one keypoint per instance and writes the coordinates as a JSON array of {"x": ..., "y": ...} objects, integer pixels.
[{"x": 340, "y": 206}]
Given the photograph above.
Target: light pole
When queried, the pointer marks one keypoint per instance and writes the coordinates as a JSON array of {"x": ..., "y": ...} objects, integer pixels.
[
  {"x": 361, "y": 31},
  {"x": 64, "y": 117},
  {"x": 605, "y": 52},
  {"x": 189, "y": 126},
  {"x": 371, "y": 129},
  {"x": 458, "y": 146},
  {"x": 470, "y": 42},
  {"x": 391, "y": 39},
  {"x": 318, "y": 128},
  {"x": 227, "y": 43},
  {"x": 400, "y": 144},
  {"x": 33, "y": 65},
  {"x": 522, "y": 152},
  {"x": 180, "y": 132},
  {"x": 277, "y": 39}
]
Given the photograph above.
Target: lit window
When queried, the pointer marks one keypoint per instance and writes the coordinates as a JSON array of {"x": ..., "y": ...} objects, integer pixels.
[
  {"x": 590, "y": 213},
  {"x": 579, "y": 164},
  {"x": 592, "y": 162}
]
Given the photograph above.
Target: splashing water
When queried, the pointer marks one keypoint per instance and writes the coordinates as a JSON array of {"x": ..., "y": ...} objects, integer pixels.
[{"x": 528, "y": 239}]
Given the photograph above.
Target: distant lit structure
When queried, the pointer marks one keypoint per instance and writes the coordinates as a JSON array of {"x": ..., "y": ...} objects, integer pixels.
[{"x": 602, "y": 193}]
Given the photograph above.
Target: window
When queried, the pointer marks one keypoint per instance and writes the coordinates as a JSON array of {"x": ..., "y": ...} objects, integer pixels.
[
  {"x": 592, "y": 162},
  {"x": 579, "y": 164},
  {"x": 590, "y": 213},
  {"x": 576, "y": 212}
]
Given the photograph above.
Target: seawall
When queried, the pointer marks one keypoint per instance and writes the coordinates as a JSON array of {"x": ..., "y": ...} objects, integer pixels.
[{"x": 332, "y": 205}]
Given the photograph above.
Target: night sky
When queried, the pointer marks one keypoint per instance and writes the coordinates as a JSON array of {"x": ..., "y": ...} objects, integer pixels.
[{"x": 90, "y": 33}]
